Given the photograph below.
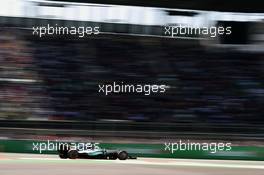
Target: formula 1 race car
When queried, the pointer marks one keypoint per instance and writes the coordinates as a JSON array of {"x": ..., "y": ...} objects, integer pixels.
[{"x": 68, "y": 151}]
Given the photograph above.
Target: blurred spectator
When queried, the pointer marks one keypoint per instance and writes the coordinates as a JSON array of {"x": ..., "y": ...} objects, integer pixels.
[{"x": 204, "y": 86}]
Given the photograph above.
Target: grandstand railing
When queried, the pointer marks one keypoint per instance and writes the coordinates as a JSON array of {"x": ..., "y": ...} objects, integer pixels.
[{"x": 128, "y": 129}]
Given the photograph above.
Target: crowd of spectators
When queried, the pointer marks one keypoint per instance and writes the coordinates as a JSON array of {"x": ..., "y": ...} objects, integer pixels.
[{"x": 204, "y": 85}]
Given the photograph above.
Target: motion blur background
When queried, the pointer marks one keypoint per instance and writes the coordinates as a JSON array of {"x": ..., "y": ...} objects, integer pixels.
[{"x": 49, "y": 85}]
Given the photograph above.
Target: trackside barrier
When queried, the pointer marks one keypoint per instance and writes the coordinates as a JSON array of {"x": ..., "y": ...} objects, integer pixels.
[{"x": 143, "y": 150}]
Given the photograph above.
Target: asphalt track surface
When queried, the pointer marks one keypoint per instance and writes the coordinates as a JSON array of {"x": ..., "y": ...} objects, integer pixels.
[{"x": 38, "y": 164}]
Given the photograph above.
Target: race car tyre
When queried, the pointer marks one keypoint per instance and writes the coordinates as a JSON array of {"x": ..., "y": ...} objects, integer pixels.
[
  {"x": 72, "y": 154},
  {"x": 63, "y": 156},
  {"x": 123, "y": 155},
  {"x": 113, "y": 157}
]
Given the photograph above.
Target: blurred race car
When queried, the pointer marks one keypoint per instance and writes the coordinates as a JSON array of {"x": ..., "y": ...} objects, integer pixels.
[{"x": 71, "y": 152}]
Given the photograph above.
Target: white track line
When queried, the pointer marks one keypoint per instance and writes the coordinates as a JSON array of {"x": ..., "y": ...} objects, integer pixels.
[
  {"x": 176, "y": 162},
  {"x": 198, "y": 164}
]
